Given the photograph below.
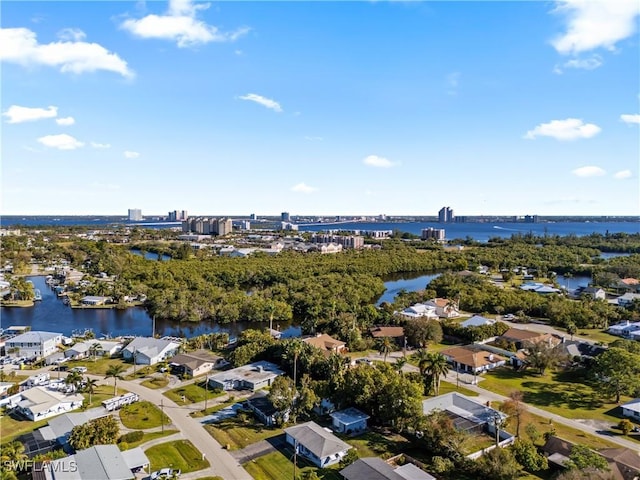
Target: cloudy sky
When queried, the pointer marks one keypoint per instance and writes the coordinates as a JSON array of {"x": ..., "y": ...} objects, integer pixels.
[{"x": 321, "y": 107}]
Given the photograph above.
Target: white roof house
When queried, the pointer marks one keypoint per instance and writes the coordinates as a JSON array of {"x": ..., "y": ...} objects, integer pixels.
[
  {"x": 466, "y": 411},
  {"x": 477, "y": 321},
  {"x": 317, "y": 444},
  {"x": 624, "y": 329},
  {"x": 149, "y": 351},
  {"x": 632, "y": 409},
  {"x": 628, "y": 298},
  {"x": 253, "y": 376},
  {"x": 59, "y": 428},
  {"x": 420, "y": 310},
  {"x": 102, "y": 462},
  {"x": 39, "y": 403},
  {"x": 35, "y": 343}
]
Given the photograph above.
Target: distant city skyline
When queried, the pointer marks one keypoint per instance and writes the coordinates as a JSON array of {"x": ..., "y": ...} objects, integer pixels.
[{"x": 321, "y": 108}]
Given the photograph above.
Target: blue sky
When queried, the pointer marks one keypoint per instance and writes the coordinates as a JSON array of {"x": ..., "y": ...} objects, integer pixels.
[{"x": 321, "y": 108}]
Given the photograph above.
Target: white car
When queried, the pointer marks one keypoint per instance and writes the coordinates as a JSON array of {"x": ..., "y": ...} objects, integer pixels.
[
  {"x": 79, "y": 369},
  {"x": 165, "y": 473},
  {"x": 509, "y": 316}
]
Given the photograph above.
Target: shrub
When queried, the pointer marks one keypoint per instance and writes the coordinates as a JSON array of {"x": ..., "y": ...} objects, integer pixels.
[{"x": 131, "y": 437}]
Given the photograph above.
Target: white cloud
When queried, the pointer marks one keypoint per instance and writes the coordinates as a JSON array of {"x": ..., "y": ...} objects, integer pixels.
[
  {"x": 130, "y": 154},
  {"x": 66, "y": 121},
  {"x": 379, "y": 162},
  {"x": 622, "y": 174},
  {"x": 595, "y": 24},
  {"x": 72, "y": 34},
  {"x": 589, "y": 171},
  {"x": 580, "y": 63},
  {"x": 630, "y": 118},
  {"x": 569, "y": 129},
  {"x": 313, "y": 139},
  {"x": 265, "y": 102},
  {"x": 180, "y": 25},
  {"x": 20, "y": 45},
  {"x": 303, "y": 188},
  {"x": 18, "y": 114},
  {"x": 100, "y": 145},
  {"x": 61, "y": 142}
]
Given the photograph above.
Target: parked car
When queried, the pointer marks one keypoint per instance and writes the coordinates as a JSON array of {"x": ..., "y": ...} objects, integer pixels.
[
  {"x": 79, "y": 369},
  {"x": 165, "y": 473},
  {"x": 509, "y": 316}
]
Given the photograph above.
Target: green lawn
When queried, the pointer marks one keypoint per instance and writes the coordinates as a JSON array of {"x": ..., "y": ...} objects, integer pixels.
[
  {"x": 597, "y": 335},
  {"x": 446, "y": 387},
  {"x": 565, "y": 393},
  {"x": 155, "y": 383},
  {"x": 193, "y": 393},
  {"x": 102, "y": 392},
  {"x": 11, "y": 428},
  {"x": 240, "y": 431},
  {"x": 140, "y": 371},
  {"x": 179, "y": 454},
  {"x": 99, "y": 367},
  {"x": 148, "y": 436},
  {"x": 373, "y": 444},
  {"x": 142, "y": 415},
  {"x": 279, "y": 466}
]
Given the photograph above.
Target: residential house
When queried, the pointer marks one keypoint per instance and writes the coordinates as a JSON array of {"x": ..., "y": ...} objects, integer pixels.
[
  {"x": 149, "y": 351},
  {"x": 93, "y": 301},
  {"x": 394, "y": 333},
  {"x": 374, "y": 468},
  {"x": 596, "y": 293},
  {"x": 262, "y": 407},
  {"x": 420, "y": 310},
  {"x": 628, "y": 299},
  {"x": 77, "y": 351},
  {"x": 520, "y": 337},
  {"x": 326, "y": 343},
  {"x": 349, "y": 421},
  {"x": 59, "y": 428},
  {"x": 629, "y": 285},
  {"x": 253, "y": 376},
  {"x": 102, "y": 462},
  {"x": 557, "y": 450},
  {"x": 631, "y": 409},
  {"x": 39, "y": 403},
  {"x": 444, "y": 308},
  {"x": 317, "y": 444},
  {"x": 538, "y": 287},
  {"x": 583, "y": 350},
  {"x": 472, "y": 359},
  {"x": 466, "y": 414},
  {"x": 477, "y": 321},
  {"x": 624, "y": 463},
  {"x": 34, "y": 344},
  {"x": 195, "y": 363},
  {"x": 624, "y": 329}
]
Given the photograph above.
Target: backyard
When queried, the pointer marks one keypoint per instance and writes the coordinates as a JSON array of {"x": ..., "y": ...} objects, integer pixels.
[
  {"x": 279, "y": 465},
  {"x": 192, "y": 393},
  {"x": 141, "y": 415},
  {"x": 241, "y": 431},
  {"x": 97, "y": 367}
]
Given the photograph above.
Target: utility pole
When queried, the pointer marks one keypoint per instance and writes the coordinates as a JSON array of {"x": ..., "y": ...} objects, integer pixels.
[
  {"x": 153, "y": 327},
  {"x": 134, "y": 361},
  {"x": 295, "y": 458},
  {"x": 162, "y": 414},
  {"x": 206, "y": 391}
]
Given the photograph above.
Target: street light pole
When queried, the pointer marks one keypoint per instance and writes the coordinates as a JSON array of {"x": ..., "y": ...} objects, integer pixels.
[{"x": 162, "y": 414}]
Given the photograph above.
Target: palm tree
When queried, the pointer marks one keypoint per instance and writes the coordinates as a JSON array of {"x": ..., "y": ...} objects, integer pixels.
[
  {"x": 90, "y": 387},
  {"x": 293, "y": 350},
  {"x": 400, "y": 363},
  {"x": 115, "y": 371},
  {"x": 436, "y": 367},
  {"x": 12, "y": 452},
  {"x": 422, "y": 357},
  {"x": 73, "y": 378},
  {"x": 384, "y": 346},
  {"x": 572, "y": 329},
  {"x": 94, "y": 349}
]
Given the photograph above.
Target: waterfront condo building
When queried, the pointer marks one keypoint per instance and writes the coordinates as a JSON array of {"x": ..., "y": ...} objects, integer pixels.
[
  {"x": 436, "y": 234},
  {"x": 135, "y": 214},
  {"x": 445, "y": 215}
]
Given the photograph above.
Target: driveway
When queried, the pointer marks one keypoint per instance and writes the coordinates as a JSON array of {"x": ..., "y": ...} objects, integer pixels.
[{"x": 259, "y": 449}]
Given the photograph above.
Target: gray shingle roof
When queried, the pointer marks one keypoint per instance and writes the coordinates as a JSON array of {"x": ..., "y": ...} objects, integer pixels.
[
  {"x": 317, "y": 440},
  {"x": 371, "y": 468}
]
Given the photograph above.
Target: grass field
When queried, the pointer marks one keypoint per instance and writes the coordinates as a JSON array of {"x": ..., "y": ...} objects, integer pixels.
[
  {"x": 155, "y": 383},
  {"x": 215, "y": 408},
  {"x": 238, "y": 432},
  {"x": 279, "y": 465},
  {"x": 446, "y": 387},
  {"x": 141, "y": 415},
  {"x": 597, "y": 335},
  {"x": 373, "y": 444},
  {"x": 102, "y": 392},
  {"x": 192, "y": 393},
  {"x": 179, "y": 454},
  {"x": 147, "y": 437},
  {"x": 565, "y": 393},
  {"x": 11, "y": 428},
  {"x": 99, "y": 367}
]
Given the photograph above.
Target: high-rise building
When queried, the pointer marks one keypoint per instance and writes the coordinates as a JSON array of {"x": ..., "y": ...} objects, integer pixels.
[
  {"x": 252, "y": 216},
  {"x": 445, "y": 215},
  {"x": 437, "y": 234},
  {"x": 207, "y": 226},
  {"x": 135, "y": 214},
  {"x": 285, "y": 217},
  {"x": 531, "y": 219},
  {"x": 178, "y": 215}
]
